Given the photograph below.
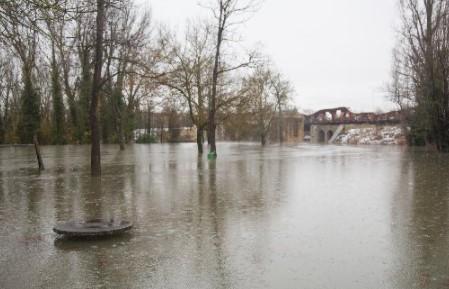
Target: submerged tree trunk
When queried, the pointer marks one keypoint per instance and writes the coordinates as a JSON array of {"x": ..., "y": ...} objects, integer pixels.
[
  {"x": 121, "y": 136},
  {"x": 38, "y": 153},
  {"x": 281, "y": 125},
  {"x": 263, "y": 139},
  {"x": 119, "y": 111},
  {"x": 95, "y": 157},
  {"x": 120, "y": 120},
  {"x": 213, "y": 97},
  {"x": 199, "y": 139}
]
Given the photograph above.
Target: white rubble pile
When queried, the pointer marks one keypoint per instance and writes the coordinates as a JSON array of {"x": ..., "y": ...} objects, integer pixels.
[{"x": 389, "y": 135}]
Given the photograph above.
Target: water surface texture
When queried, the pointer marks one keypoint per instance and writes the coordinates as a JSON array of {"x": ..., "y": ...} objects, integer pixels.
[{"x": 275, "y": 217}]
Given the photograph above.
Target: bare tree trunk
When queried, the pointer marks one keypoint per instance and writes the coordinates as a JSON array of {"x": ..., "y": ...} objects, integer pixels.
[
  {"x": 281, "y": 125},
  {"x": 95, "y": 158},
  {"x": 121, "y": 136},
  {"x": 119, "y": 113},
  {"x": 225, "y": 10},
  {"x": 213, "y": 97},
  {"x": 200, "y": 118},
  {"x": 38, "y": 153},
  {"x": 199, "y": 139},
  {"x": 149, "y": 123},
  {"x": 263, "y": 139},
  {"x": 162, "y": 128}
]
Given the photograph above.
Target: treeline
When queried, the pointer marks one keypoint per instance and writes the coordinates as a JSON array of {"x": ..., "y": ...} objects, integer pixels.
[
  {"x": 62, "y": 58},
  {"x": 420, "y": 82},
  {"x": 47, "y": 70}
]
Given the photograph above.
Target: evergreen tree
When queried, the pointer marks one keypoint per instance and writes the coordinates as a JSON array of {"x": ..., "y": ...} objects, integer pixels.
[
  {"x": 30, "y": 114},
  {"x": 118, "y": 107},
  {"x": 107, "y": 119},
  {"x": 58, "y": 105},
  {"x": 82, "y": 132}
]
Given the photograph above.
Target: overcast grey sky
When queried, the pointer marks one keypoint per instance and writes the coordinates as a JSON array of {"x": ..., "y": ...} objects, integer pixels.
[{"x": 335, "y": 52}]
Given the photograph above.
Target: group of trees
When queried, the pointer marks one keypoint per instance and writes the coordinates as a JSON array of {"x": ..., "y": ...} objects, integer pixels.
[
  {"x": 80, "y": 71},
  {"x": 268, "y": 94},
  {"x": 420, "y": 82}
]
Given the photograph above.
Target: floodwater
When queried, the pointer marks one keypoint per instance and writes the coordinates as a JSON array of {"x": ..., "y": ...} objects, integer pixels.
[{"x": 276, "y": 217}]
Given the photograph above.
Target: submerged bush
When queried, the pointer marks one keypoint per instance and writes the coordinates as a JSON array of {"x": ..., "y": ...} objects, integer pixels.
[{"x": 146, "y": 138}]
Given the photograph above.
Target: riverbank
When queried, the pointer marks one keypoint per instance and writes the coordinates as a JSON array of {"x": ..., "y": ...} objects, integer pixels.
[{"x": 387, "y": 135}]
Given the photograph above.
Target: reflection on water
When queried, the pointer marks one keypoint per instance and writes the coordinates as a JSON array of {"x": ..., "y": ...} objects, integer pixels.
[
  {"x": 421, "y": 222},
  {"x": 275, "y": 217}
]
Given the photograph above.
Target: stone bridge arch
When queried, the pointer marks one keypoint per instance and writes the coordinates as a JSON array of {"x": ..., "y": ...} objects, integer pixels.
[
  {"x": 321, "y": 136},
  {"x": 322, "y": 133}
]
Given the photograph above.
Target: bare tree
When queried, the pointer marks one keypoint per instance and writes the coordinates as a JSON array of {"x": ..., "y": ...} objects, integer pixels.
[
  {"x": 263, "y": 100},
  {"x": 71, "y": 36},
  {"x": 9, "y": 90},
  {"x": 282, "y": 89},
  {"x": 95, "y": 159},
  {"x": 227, "y": 14},
  {"x": 189, "y": 76},
  {"x": 425, "y": 36},
  {"x": 128, "y": 36},
  {"x": 398, "y": 89},
  {"x": 20, "y": 32}
]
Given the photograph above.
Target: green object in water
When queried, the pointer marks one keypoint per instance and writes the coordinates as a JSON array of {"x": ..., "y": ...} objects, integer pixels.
[{"x": 212, "y": 155}]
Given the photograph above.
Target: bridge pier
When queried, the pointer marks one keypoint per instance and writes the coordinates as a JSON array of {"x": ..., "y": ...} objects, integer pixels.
[{"x": 322, "y": 133}]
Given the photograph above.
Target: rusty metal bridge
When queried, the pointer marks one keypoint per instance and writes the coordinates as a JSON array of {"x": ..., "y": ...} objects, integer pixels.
[{"x": 342, "y": 115}]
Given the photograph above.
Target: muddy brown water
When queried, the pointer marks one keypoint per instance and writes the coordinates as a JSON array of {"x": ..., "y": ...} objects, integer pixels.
[{"x": 276, "y": 217}]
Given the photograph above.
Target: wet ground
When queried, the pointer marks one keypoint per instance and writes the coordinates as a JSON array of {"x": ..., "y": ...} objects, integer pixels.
[{"x": 275, "y": 217}]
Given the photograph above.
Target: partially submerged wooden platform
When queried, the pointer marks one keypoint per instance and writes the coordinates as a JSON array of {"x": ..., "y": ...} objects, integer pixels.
[{"x": 92, "y": 228}]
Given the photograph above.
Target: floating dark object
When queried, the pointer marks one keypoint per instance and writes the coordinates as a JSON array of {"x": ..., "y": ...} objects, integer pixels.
[{"x": 92, "y": 228}]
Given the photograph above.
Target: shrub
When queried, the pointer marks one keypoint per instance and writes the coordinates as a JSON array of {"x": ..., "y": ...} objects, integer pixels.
[{"x": 146, "y": 138}]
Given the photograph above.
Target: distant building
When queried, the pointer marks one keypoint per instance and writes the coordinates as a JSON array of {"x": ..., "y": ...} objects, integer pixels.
[
  {"x": 292, "y": 123},
  {"x": 244, "y": 127}
]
